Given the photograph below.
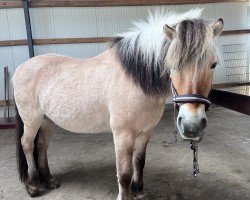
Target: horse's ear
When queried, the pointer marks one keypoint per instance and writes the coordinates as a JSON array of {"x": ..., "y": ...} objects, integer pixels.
[
  {"x": 217, "y": 27},
  {"x": 169, "y": 31}
]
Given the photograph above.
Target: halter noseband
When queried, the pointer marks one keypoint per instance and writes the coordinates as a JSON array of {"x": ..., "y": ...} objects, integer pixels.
[{"x": 189, "y": 98}]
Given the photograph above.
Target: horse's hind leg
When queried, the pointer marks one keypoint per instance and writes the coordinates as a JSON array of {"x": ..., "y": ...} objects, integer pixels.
[
  {"x": 32, "y": 183},
  {"x": 138, "y": 164},
  {"x": 42, "y": 162}
]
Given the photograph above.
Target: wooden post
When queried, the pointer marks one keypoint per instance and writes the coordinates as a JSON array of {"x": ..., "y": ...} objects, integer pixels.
[
  {"x": 6, "y": 95},
  {"x": 28, "y": 27}
]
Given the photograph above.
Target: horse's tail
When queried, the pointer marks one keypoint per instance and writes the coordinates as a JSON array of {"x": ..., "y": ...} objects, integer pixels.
[{"x": 21, "y": 159}]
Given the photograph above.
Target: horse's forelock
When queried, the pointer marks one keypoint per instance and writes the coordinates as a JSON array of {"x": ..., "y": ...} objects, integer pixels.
[{"x": 193, "y": 43}]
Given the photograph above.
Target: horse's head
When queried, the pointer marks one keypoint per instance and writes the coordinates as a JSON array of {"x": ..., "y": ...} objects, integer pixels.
[{"x": 191, "y": 58}]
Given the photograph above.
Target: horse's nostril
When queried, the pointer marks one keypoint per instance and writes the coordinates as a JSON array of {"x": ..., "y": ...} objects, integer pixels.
[
  {"x": 204, "y": 122},
  {"x": 179, "y": 120}
]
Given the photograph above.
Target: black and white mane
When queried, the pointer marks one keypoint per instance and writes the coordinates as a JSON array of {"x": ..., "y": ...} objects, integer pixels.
[{"x": 143, "y": 49}]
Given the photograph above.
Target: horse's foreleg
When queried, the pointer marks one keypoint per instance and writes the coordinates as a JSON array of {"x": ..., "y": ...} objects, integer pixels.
[
  {"x": 42, "y": 145},
  {"x": 138, "y": 164},
  {"x": 124, "y": 146},
  {"x": 32, "y": 183}
]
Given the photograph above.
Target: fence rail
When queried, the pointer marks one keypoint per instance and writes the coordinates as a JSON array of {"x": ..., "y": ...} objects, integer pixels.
[
  {"x": 102, "y": 3},
  {"x": 88, "y": 40}
]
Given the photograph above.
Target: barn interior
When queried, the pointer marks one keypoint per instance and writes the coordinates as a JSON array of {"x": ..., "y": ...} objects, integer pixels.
[{"x": 85, "y": 163}]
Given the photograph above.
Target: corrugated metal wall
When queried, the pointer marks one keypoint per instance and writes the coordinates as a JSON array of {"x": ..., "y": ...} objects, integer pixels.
[{"x": 100, "y": 22}]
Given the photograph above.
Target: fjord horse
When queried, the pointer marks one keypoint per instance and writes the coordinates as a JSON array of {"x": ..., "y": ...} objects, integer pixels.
[{"x": 122, "y": 90}]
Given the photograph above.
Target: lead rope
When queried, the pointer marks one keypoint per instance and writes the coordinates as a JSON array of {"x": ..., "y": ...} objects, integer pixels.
[{"x": 194, "y": 147}]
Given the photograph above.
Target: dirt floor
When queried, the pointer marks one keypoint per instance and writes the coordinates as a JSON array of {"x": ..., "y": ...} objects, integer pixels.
[{"x": 85, "y": 163}]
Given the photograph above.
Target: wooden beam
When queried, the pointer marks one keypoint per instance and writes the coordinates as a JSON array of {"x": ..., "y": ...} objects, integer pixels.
[
  {"x": 237, "y": 102},
  {"x": 10, "y": 103},
  {"x": 10, "y": 4},
  {"x": 7, "y": 43},
  {"x": 7, "y": 126},
  {"x": 55, "y": 41},
  {"x": 229, "y": 85},
  {"x": 88, "y": 40},
  {"x": 71, "y": 40},
  {"x": 101, "y": 3},
  {"x": 235, "y": 32}
]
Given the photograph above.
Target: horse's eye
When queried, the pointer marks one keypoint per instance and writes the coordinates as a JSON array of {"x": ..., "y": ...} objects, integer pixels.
[{"x": 213, "y": 65}]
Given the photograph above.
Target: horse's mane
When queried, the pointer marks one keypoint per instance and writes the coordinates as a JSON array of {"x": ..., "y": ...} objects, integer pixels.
[{"x": 143, "y": 49}]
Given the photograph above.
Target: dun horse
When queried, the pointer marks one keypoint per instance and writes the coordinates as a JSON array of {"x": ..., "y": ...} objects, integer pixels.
[{"x": 122, "y": 90}]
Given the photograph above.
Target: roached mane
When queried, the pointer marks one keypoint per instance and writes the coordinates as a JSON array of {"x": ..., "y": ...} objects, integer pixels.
[{"x": 142, "y": 50}]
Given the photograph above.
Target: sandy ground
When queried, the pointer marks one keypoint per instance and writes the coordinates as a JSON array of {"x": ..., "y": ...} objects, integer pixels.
[{"x": 85, "y": 164}]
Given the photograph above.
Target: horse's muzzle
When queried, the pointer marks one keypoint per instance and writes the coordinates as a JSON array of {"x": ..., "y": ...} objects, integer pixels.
[{"x": 192, "y": 127}]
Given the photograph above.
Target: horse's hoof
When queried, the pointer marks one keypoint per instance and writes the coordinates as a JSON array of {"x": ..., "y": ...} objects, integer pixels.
[
  {"x": 33, "y": 192},
  {"x": 122, "y": 197},
  {"x": 139, "y": 195},
  {"x": 136, "y": 190},
  {"x": 32, "y": 186},
  {"x": 52, "y": 184}
]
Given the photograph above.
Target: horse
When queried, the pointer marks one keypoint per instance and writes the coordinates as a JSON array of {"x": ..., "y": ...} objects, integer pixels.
[{"x": 122, "y": 90}]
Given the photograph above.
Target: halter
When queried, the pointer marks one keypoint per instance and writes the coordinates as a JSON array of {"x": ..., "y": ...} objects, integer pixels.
[{"x": 189, "y": 98}]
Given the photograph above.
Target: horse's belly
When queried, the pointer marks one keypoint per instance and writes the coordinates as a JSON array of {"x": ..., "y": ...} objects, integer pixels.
[
  {"x": 78, "y": 116},
  {"x": 85, "y": 122}
]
